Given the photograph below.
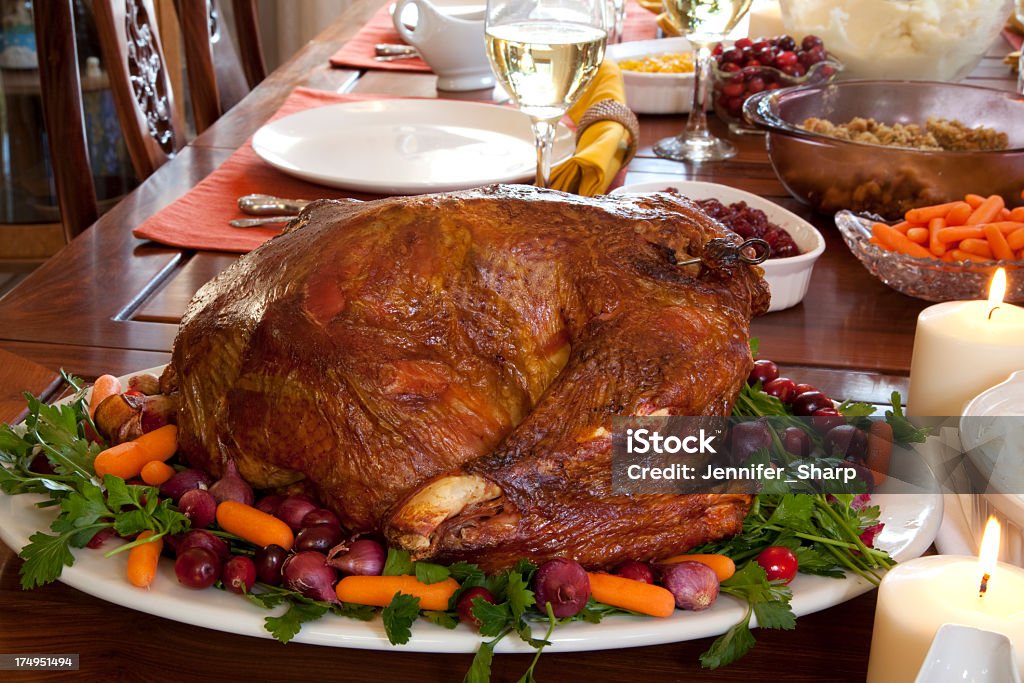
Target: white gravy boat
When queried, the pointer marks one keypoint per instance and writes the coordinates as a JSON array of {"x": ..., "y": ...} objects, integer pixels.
[{"x": 450, "y": 40}]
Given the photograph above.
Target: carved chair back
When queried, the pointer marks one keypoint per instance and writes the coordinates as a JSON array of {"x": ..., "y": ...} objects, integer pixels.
[
  {"x": 140, "y": 84},
  {"x": 219, "y": 77}
]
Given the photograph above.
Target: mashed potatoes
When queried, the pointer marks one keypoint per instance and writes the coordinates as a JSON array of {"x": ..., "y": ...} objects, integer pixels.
[{"x": 901, "y": 39}]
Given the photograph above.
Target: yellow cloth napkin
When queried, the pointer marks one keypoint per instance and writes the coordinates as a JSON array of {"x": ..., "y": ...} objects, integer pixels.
[{"x": 602, "y": 147}]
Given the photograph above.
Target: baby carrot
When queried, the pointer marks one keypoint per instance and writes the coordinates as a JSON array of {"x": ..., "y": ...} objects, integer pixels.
[
  {"x": 1004, "y": 214},
  {"x": 997, "y": 242},
  {"x": 976, "y": 247},
  {"x": 723, "y": 565},
  {"x": 879, "y": 450},
  {"x": 902, "y": 226},
  {"x": 1017, "y": 214},
  {"x": 987, "y": 211},
  {"x": 959, "y": 214},
  {"x": 124, "y": 460},
  {"x": 898, "y": 241},
  {"x": 926, "y": 213},
  {"x": 161, "y": 443},
  {"x": 156, "y": 472},
  {"x": 947, "y": 235},
  {"x": 256, "y": 526},
  {"x": 127, "y": 459},
  {"x": 379, "y": 590},
  {"x": 143, "y": 559},
  {"x": 631, "y": 594},
  {"x": 935, "y": 245},
  {"x": 918, "y": 235},
  {"x": 961, "y": 255},
  {"x": 1005, "y": 227},
  {"x": 1016, "y": 239},
  {"x": 104, "y": 387},
  {"x": 975, "y": 200}
]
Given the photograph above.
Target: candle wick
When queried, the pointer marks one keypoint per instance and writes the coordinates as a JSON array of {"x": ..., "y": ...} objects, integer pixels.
[
  {"x": 984, "y": 585},
  {"x": 994, "y": 309}
]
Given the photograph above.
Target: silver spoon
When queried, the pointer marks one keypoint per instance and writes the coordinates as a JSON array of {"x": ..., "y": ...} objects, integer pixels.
[
  {"x": 256, "y": 222},
  {"x": 265, "y": 204}
]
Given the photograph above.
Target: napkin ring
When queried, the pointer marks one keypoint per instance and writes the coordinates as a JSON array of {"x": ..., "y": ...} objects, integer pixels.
[{"x": 612, "y": 110}]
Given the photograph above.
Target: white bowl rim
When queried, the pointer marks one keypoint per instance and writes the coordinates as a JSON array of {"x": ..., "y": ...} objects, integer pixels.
[
  {"x": 659, "y": 46},
  {"x": 755, "y": 201}
]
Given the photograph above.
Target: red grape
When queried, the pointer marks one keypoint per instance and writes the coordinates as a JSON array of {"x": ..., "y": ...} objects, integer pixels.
[
  {"x": 781, "y": 388},
  {"x": 779, "y": 563},
  {"x": 810, "y": 402},
  {"x": 239, "y": 574},
  {"x": 197, "y": 568},
  {"x": 464, "y": 606},
  {"x": 269, "y": 561},
  {"x": 796, "y": 441},
  {"x": 764, "y": 371}
]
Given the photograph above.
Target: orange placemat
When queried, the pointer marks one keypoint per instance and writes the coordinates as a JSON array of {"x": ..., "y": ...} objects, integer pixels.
[
  {"x": 358, "y": 53},
  {"x": 199, "y": 219}
]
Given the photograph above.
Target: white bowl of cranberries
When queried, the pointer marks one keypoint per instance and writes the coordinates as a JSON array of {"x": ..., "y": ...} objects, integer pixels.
[
  {"x": 751, "y": 65},
  {"x": 795, "y": 244}
]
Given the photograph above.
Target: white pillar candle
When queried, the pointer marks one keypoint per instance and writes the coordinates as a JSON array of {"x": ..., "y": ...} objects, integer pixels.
[
  {"x": 919, "y": 596},
  {"x": 962, "y": 348}
]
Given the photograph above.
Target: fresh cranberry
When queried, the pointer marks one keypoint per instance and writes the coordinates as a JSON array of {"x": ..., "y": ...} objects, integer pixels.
[
  {"x": 717, "y": 50},
  {"x": 733, "y": 89},
  {"x": 751, "y": 63},
  {"x": 794, "y": 70},
  {"x": 786, "y": 43},
  {"x": 802, "y": 388},
  {"x": 743, "y": 42},
  {"x": 732, "y": 55},
  {"x": 810, "y": 42},
  {"x": 729, "y": 67},
  {"x": 755, "y": 85},
  {"x": 785, "y": 58}
]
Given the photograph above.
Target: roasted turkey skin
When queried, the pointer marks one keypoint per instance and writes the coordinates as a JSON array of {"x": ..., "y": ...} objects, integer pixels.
[{"x": 444, "y": 368}]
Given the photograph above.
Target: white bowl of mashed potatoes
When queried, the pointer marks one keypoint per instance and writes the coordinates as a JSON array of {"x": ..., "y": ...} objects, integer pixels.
[{"x": 933, "y": 40}]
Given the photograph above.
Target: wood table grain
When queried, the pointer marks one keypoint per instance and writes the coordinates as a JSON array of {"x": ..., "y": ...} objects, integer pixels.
[{"x": 110, "y": 303}]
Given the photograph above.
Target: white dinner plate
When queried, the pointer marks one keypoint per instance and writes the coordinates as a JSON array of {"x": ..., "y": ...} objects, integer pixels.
[
  {"x": 911, "y": 521},
  {"x": 406, "y": 146}
]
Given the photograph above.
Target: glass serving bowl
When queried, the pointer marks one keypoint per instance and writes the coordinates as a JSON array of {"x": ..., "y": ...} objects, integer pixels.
[
  {"x": 831, "y": 174},
  {"x": 730, "y": 89},
  {"x": 928, "y": 279}
]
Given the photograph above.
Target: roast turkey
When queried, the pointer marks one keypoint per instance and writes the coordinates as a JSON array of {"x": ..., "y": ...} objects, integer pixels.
[{"x": 443, "y": 369}]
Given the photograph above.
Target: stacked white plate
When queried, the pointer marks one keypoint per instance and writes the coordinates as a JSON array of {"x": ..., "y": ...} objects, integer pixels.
[{"x": 994, "y": 442}]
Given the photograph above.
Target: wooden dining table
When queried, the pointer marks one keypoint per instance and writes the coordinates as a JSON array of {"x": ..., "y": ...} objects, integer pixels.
[{"x": 111, "y": 303}]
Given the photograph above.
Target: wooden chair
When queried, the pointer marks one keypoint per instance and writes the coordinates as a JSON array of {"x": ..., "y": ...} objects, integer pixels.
[
  {"x": 131, "y": 50},
  {"x": 219, "y": 77},
  {"x": 141, "y": 88}
]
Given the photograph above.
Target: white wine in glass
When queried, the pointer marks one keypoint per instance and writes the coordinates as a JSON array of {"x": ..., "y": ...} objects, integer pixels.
[
  {"x": 545, "y": 53},
  {"x": 702, "y": 22}
]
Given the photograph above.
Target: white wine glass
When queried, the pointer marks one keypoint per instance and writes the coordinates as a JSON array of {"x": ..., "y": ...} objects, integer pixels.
[
  {"x": 545, "y": 53},
  {"x": 702, "y": 23}
]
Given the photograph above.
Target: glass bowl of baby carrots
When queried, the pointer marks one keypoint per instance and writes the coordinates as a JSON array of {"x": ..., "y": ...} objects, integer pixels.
[{"x": 942, "y": 252}]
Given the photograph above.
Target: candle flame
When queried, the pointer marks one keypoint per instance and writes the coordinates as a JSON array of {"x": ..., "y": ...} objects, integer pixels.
[
  {"x": 988, "y": 555},
  {"x": 996, "y": 290}
]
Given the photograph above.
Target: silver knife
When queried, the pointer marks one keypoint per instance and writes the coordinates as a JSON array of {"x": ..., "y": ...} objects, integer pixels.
[{"x": 265, "y": 204}]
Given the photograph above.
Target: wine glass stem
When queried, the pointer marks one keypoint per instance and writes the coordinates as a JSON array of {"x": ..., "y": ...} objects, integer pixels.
[
  {"x": 544, "y": 138},
  {"x": 697, "y": 121}
]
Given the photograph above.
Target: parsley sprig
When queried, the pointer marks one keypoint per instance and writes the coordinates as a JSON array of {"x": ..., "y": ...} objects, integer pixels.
[{"x": 87, "y": 505}]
